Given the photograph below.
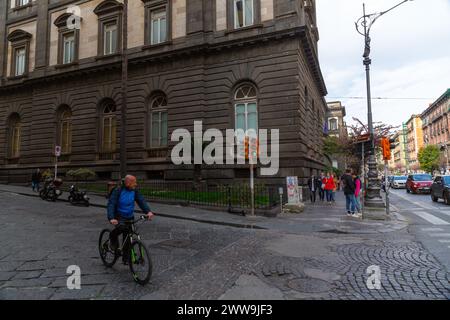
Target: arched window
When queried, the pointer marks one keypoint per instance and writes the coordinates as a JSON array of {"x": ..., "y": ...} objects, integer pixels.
[
  {"x": 158, "y": 121},
  {"x": 65, "y": 130},
  {"x": 108, "y": 123},
  {"x": 333, "y": 124},
  {"x": 246, "y": 108},
  {"x": 15, "y": 132}
]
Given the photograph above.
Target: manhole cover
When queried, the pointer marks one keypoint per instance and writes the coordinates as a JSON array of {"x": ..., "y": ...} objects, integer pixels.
[
  {"x": 309, "y": 285},
  {"x": 176, "y": 243}
]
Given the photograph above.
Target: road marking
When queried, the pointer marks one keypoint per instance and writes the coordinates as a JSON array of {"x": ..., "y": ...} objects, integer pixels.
[
  {"x": 444, "y": 241},
  {"x": 432, "y": 219},
  {"x": 436, "y": 235},
  {"x": 432, "y": 229}
]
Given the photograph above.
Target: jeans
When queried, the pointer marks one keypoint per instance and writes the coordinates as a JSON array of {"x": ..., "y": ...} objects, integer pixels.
[
  {"x": 333, "y": 196},
  {"x": 35, "y": 185},
  {"x": 321, "y": 194},
  {"x": 329, "y": 195},
  {"x": 350, "y": 202},
  {"x": 358, "y": 203}
]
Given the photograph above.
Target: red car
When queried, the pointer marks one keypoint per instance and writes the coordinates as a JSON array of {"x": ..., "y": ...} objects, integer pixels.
[{"x": 419, "y": 183}]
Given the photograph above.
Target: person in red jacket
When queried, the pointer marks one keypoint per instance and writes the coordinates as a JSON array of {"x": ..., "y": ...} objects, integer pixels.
[{"x": 329, "y": 186}]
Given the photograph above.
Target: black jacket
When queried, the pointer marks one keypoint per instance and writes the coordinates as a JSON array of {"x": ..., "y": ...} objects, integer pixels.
[
  {"x": 317, "y": 184},
  {"x": 36, "y": 176},
  {"x": 349, "y": 184}
]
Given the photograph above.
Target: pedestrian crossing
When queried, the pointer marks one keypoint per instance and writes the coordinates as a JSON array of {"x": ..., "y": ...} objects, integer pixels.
[{"x": 431, "y": 218}]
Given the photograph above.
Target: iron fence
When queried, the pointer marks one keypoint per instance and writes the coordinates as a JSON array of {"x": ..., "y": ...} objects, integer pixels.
[{"x": 230, "y": 196}]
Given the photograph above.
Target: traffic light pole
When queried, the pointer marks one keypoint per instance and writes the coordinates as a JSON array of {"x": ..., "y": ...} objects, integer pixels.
[
  {"x": 386, "y": 185},
  {"x": 252, "y": 189}
]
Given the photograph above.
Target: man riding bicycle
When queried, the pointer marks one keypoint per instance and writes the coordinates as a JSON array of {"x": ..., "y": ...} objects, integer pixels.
[{"x": 121, "y": 210}]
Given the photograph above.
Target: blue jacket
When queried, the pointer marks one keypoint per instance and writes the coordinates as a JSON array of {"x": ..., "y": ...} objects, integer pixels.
[{"x": 113, "y": 205}]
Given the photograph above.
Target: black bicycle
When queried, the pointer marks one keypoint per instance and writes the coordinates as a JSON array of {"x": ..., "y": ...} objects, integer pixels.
[{"x": 139, "y": 260}]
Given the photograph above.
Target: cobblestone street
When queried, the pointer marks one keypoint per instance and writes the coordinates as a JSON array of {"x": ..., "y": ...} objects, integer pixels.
[{"x": 203, "y": 261}]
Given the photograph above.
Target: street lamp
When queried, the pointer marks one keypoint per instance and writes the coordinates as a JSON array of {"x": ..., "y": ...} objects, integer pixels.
[
  {"x": 363, "y": 26},
  {"x": 444, "y": 148},
  {"x": 124, "y": 88}
]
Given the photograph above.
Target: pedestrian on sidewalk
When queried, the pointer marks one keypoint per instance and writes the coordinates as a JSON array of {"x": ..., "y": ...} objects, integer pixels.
[
  {"x": 329, "y": 186},
  {"x": 349, "y": 191},
  {"x": 36, "y": 177},
  {"x": 313, "y": 184},
  {"x": 322, "y": 187},
  {"x": 357, "y": 181},
  {"x": 336, "y": 186}
]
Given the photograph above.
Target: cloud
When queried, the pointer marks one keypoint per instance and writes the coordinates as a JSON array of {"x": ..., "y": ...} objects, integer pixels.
[{"x": 410, "y": 54}]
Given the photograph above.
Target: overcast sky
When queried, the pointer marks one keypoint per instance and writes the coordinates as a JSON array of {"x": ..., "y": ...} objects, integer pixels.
[{"x": 410, "y": 55}]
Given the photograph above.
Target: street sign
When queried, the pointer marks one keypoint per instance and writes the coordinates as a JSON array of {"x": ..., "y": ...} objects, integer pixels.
[
  {"x": 293, "y": 190},
  {"x": 57, "y": 151}
]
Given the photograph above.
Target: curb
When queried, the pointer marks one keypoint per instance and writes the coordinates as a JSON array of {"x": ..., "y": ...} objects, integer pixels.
[{"x": 228, "y": 224}]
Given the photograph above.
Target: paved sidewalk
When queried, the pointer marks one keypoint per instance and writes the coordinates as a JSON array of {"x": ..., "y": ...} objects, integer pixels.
[{"x": 318, "y": 217}]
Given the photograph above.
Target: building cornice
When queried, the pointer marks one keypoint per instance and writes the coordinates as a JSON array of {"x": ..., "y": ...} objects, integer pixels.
[{"x": 90, "y": 65}]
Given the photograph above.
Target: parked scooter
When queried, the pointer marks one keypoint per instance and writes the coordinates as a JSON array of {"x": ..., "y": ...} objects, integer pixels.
[
  {"x": 51, "y": 190},
  {"x": 78, "y": 197}
]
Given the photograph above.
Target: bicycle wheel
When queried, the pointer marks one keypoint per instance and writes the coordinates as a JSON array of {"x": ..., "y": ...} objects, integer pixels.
[
  {"x": 42, "y": 194},
  {"x": 141, "y": 265},
  {"x": 108, "y": 257},
  {"x": 51, "y": 195}
]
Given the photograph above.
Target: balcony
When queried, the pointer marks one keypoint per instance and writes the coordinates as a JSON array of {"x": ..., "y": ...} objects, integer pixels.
[
  {"x": 158, "y": 153},
  {"x": 106, "y": 156}
]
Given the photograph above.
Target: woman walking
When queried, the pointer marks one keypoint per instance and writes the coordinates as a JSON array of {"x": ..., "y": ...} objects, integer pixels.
[
  {"x": 322, "y": 181},
  {"x": 336, "y": 186},
  {"x": 329, "y": 187}
]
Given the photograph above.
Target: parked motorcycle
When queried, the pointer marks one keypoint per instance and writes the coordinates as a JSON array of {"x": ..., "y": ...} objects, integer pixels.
[
  {"x": 51, "y": 190},
  {"x": 78, "y": 197}
]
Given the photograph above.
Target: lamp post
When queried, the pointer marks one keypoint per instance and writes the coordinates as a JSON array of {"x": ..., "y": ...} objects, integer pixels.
[
  {"x": 123, "y": 109},
  {"x": 444, "y": 148},
  {"x": 363, "y": 26}
]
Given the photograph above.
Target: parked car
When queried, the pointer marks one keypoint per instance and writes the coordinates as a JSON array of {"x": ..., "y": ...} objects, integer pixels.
[
  {"x": 399, "y": 182},
  {"x": 441, "y": 189},
  {"x": 419, "y": 183}
]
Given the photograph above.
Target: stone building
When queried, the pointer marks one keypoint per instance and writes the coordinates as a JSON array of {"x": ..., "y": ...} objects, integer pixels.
[
  {"x": 337, "y": 127},
  {"x": 228, "y": 63},
  {"x": 414, "y": 141},
  {"x": 436, "y": 124},
  {"x": 397, "y": 163}
]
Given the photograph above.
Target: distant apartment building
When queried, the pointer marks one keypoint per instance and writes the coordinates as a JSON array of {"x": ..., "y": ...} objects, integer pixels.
[
  {"x": 398, "y": 160},
  {"x": 337, "y": 127},
  {"x": 436, "y": 124},
  {"x": 414, "y": 141}
]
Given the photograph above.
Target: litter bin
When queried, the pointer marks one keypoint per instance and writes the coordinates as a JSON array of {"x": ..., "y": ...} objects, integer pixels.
[{"x": 111, "y": 185}]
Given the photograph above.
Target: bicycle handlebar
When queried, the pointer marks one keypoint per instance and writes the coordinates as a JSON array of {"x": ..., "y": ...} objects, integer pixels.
[{"x": 141, "y": 218}]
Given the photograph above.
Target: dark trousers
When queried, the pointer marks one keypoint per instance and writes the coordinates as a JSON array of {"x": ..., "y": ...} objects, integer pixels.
[
  {"x": 35, "y": 185},
  {"x": 321, "y": 194},
  {"x": 313, "y": 196},
  {"x": 124, "y": 230}
]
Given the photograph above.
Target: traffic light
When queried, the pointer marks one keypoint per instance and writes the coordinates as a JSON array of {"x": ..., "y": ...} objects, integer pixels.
[
  {"x": 251, "y": 148},
  {"x": 393, "y": 143},
  {"x": 386, "y": 148}
]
